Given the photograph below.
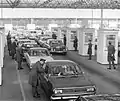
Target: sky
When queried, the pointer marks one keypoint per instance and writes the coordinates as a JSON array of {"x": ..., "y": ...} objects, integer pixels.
[{"x": 57, "y": 13}]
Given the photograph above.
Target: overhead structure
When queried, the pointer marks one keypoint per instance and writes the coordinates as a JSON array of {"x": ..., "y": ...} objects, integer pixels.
[{"x": 76, "y": 4}]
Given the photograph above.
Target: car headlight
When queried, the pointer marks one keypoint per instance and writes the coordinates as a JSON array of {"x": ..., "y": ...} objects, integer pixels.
[
  {"x": 57, "y": 91},
  {"x": 90, "y": 89}
]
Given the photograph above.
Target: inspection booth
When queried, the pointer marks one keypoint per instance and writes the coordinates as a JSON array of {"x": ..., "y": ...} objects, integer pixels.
[
  {"x": 86, "y": 34},
  {"x": 56, "y": 30},
  {"x": 71, "y": 33},
  {"x": 2, "y": 46},
  {"x": 104, "y": 37}
]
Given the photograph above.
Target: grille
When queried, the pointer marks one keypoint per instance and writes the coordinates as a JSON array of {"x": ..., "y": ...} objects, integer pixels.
[
  {"x": 59, "y": 49},
  {"x": 75, "y": 90}
]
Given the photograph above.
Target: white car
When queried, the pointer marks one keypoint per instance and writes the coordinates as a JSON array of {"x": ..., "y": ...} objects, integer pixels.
[
  {"x": 21, "y": 41},
  {"x": 35, "y": 54}
]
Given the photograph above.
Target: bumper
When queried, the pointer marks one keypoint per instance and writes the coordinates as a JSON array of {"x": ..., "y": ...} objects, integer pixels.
[{"x": 70, "y": 97}]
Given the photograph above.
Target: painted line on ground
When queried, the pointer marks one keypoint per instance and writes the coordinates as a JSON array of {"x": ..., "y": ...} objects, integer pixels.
[{"x": 20, "y": 82}]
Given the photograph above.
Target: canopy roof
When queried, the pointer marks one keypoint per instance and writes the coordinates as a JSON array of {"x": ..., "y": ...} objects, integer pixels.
[{"x": 75, "y": 4}]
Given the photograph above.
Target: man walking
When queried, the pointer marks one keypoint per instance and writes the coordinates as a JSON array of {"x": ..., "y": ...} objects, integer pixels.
[
  {"x": 111, "y": 57},
  {"x": 19, "y": 55},
  {"x": 90, "y": 49}
]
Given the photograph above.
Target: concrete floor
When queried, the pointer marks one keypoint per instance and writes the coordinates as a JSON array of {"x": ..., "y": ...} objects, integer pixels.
[{"x": 16, "y": 88}]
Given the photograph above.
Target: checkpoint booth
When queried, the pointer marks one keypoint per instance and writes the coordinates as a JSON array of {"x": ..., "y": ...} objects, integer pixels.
[
  {"x": 86, "y": 34},
  {"x": 104, "y": 37},
  {"x": 3, "y": 43},
  {"x": 56, "y": 30},
  {"x": 8, "y": 27},
  {"x": 71, "y": 33}
]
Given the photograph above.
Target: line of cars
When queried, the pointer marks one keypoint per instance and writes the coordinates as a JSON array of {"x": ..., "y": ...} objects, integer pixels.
[{"x": 63, "y": 79}]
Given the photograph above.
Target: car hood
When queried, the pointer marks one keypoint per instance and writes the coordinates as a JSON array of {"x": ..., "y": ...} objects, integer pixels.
[
  {"x": 34, "y": 59},
  {"x": 79, "y": 81}
]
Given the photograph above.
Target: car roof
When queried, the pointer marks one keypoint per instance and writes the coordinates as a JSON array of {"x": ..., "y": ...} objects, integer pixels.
[
  {"x": 38, "y": 48},
  {"x": 53, "y": 61},
  {"x": 30, "y": 43}
]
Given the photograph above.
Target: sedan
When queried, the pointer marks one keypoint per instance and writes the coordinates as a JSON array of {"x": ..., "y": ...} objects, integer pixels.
[
  {"x": 35, "y": 54},
  {"x": 57, "y": 46},
  {"x": 64, "y": 79},
  {"x": 99, "y": 97}
]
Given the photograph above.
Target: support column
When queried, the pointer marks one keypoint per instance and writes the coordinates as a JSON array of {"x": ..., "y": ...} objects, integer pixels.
[{"x": 101, "y": 19}]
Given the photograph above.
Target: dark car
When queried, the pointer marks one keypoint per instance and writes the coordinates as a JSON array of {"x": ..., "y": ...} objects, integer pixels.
[
  {"x": 57, "y": 46},
  {"x": 99, "y": 97},
  {"x": 64, "y": 79}
]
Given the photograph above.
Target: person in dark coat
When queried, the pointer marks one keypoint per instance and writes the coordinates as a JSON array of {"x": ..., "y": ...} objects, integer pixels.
[
  {"x": 75, "y": 43},
  {"x": 90, "y": 49},
  {"x": 9, "y": 43},
  {"x": 111, "y": 57},
  {"x": 35, "y": 77},
  {"x": 64, "y": 39},
  {"x": 19, "y": 55},
  {"x": 54, "y": 36},
  {"x": 13, "y": 49}
]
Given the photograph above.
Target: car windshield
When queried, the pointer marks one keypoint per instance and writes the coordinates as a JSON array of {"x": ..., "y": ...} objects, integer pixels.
[
  {"x": 64, "y": 69},
  {"x": 36, "y": 52},
  {"x": 56, "y": 42}
]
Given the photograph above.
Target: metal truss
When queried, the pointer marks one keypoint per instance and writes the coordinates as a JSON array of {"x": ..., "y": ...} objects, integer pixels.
[{"x": 75, "y": 4}]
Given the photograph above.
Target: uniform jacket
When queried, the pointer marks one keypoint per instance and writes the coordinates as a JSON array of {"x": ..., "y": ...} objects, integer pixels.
[
  {"x": 13, "y": 49},
  {"x": 19, "y": 54},
  {"x": 111, "y": 52},
  {"x": 35, "y": 74},
  {"x": 90, "y": 48},
  {"x": 75, "y": 42}
]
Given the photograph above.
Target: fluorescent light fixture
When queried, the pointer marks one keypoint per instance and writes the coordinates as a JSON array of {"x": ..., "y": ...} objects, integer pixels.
[
  {"x": 52, "y": 25},
  {"x": 74, "y": 26},
  {"x": 31, "y": 26}
]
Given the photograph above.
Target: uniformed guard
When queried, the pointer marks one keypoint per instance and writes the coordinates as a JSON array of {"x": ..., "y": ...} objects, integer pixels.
[
  {"x": 75, "y": 43},
  {"x": 90, "y": 49},
  {"x": 54, "y": 36},
  {"x": 19, "y": 55},
  {"x": 13, "y": 49},
  {"x": 111, "y": 57},
  {"x": 9, "y": 42},
  {"x": 64, "y": 39},
  {"x": 35, "y": 77}
]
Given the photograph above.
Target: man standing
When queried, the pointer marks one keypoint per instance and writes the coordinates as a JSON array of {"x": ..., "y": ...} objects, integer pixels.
[
  {"x": 13, "y": 49},
  {"x": 90, "y": 49},
  {"x": 64, "y": 39},
  {"x": 19, "y": 55},
  {"x": 35, "y": 78},
  {"x": 75, "y": 43},
  {"x": 9, "y": 43},
  {"x": 111, "y": 57}
]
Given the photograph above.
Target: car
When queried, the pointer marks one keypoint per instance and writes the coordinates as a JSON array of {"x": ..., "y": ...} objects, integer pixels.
[
  {"x": 64, "y": 79},
  {"x": 30, "y": 45},
  {"x": 21, "y": 41},
  {"x": 57, "y": 46},
  {"x": 34, "y": 54},
  {"x": 99, "y": 97},
  {"x": 44, "y": 39}
]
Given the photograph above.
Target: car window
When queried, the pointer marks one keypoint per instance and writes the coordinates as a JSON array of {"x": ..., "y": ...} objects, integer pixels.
[
  {"x": 64, "y": 69},
  {"x": 56, "y": 42},
  {"x": 39, "y": 53}
]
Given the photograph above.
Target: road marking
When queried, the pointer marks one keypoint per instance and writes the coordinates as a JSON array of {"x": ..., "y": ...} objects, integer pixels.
[{"x": 21, "y": 86}]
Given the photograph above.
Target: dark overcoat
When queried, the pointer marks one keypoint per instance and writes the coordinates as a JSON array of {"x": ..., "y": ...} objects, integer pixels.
[
  {"x": 89, "y": 48},
  {"x": 111, "y": 52}
]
